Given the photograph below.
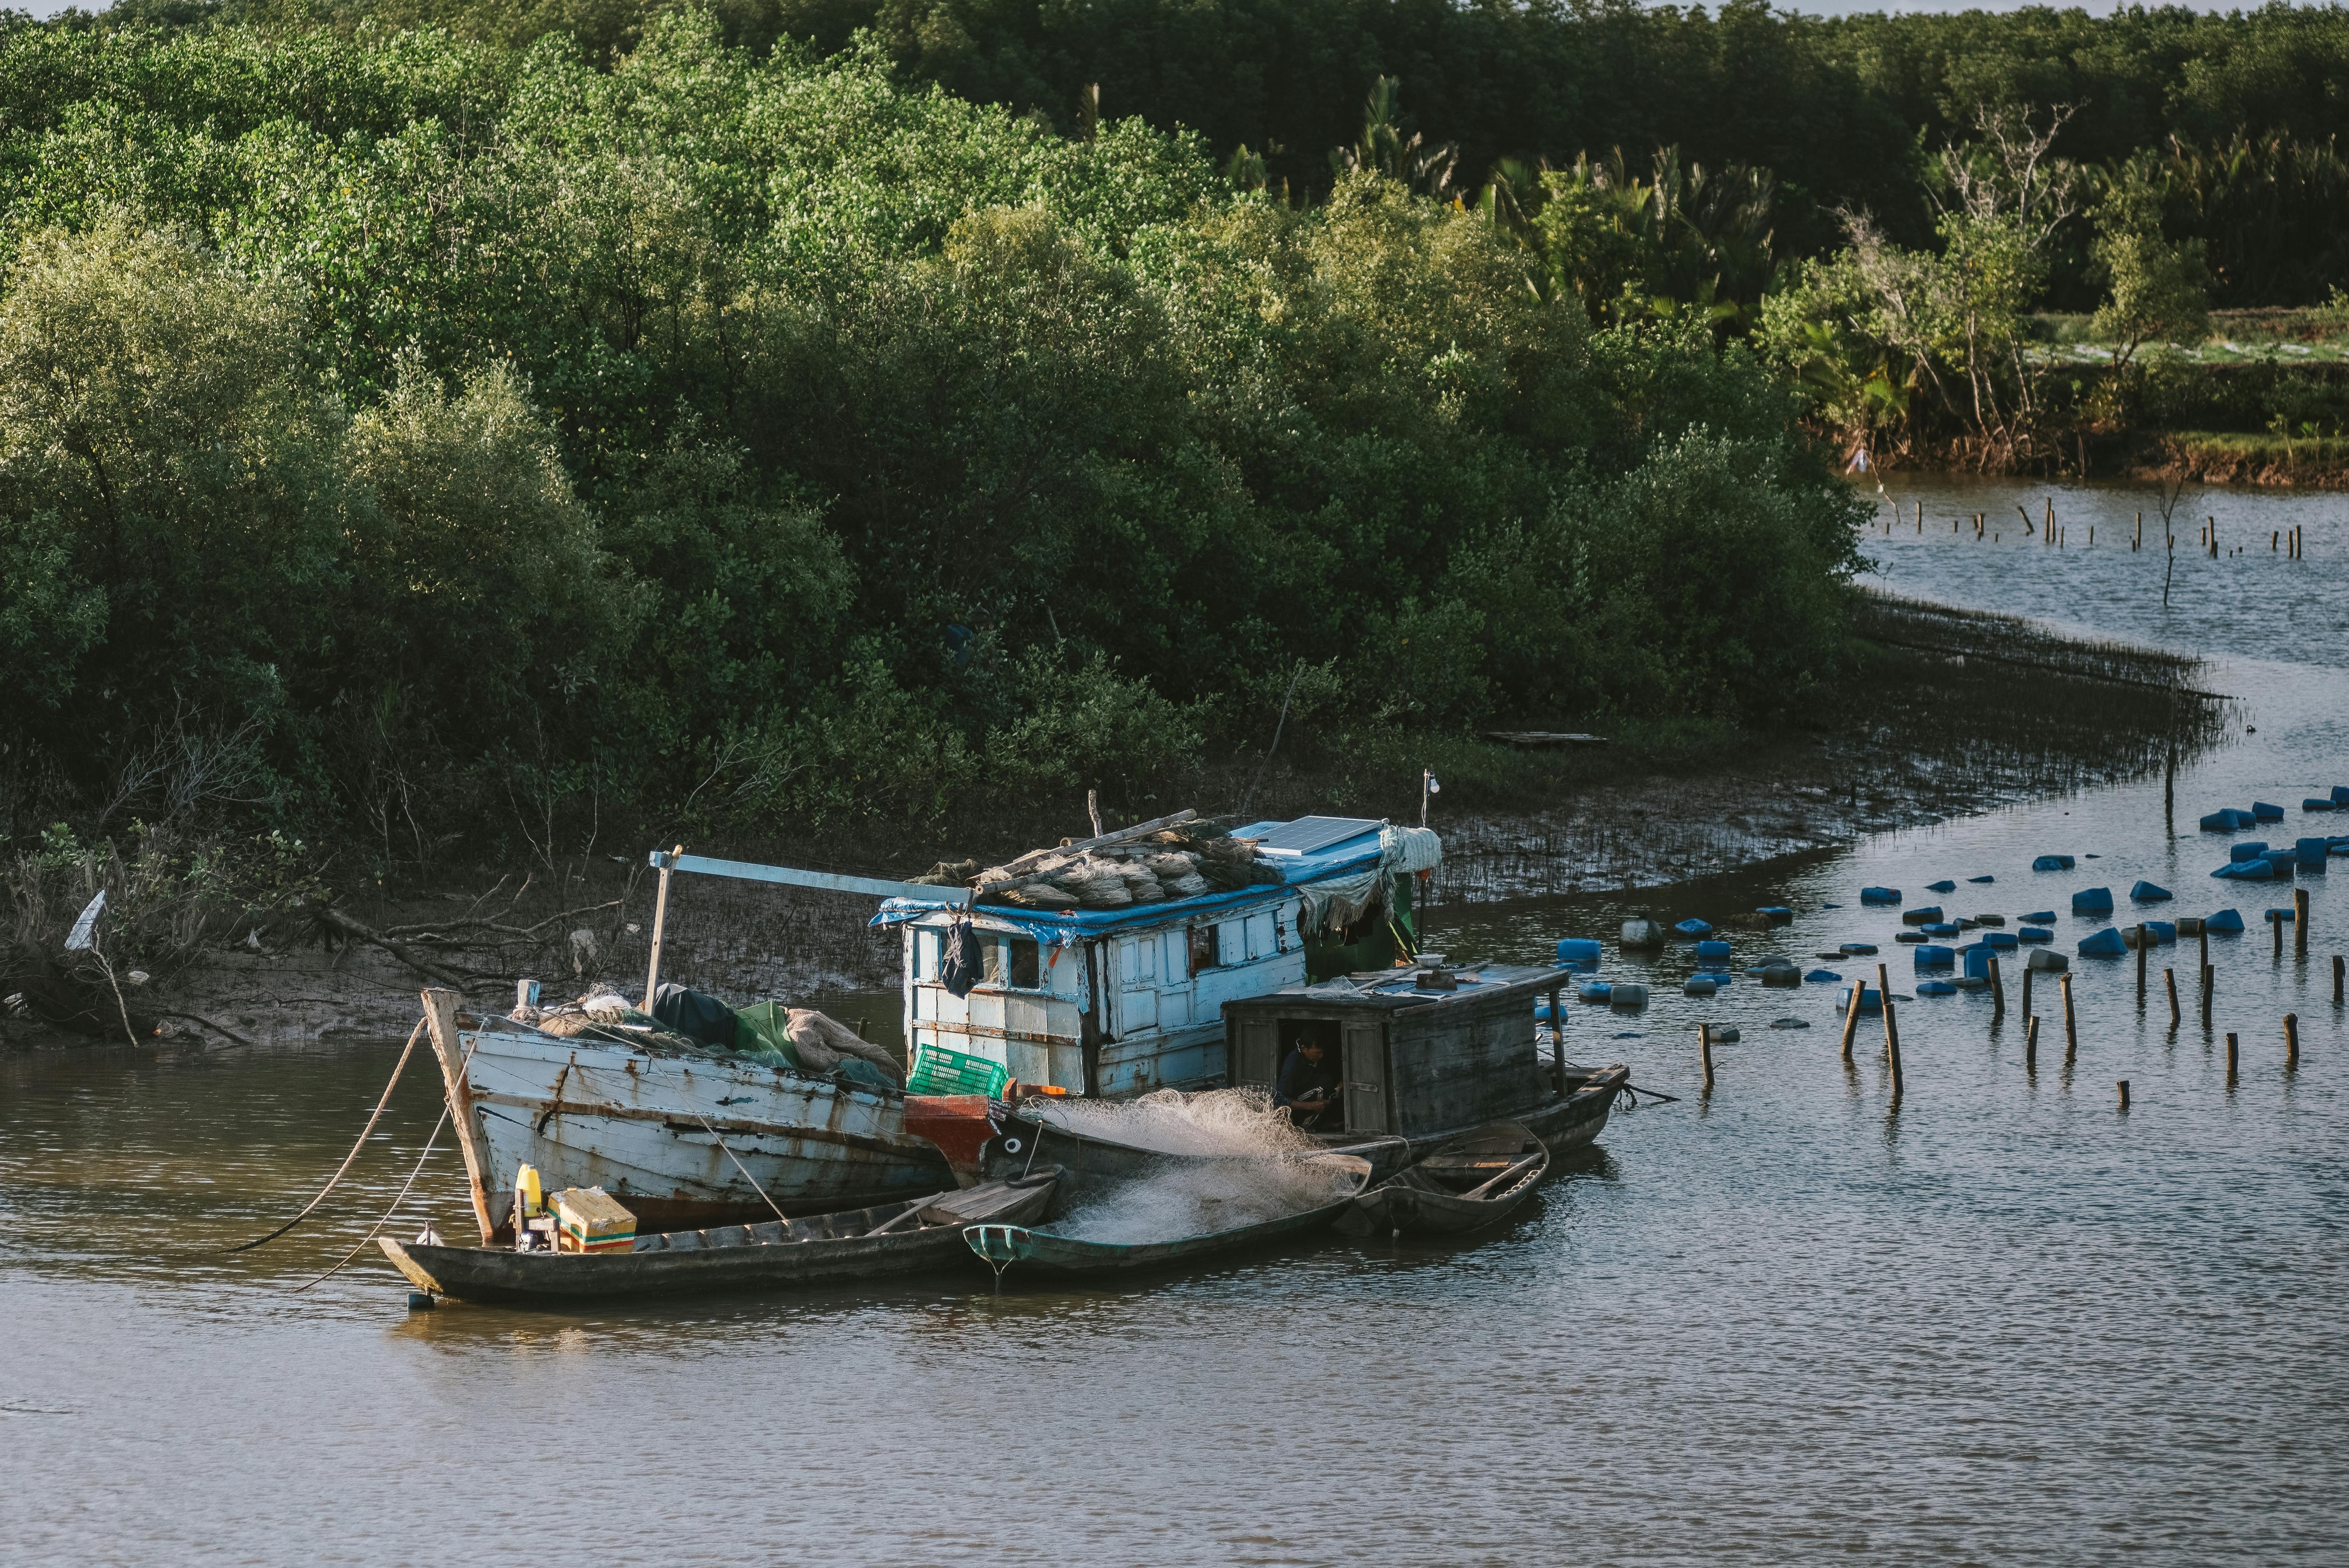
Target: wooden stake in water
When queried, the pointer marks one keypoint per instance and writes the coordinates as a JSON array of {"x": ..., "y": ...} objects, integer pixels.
[
  {"x": 1851, "y": 1018},
  {"x": 2275, "y": 919},
  {"x": 2170, "y": 983},
  {"x": 2027, "y": 972},
  {"x": 1892, "y": 1030},
  {"x": 1997, "y": 992},
  {"x": 2124, "y": 1087},
  {"x": 2142, "y": 944},
  {"x": 2138, "y": 541},
  {"x": 2070, "y": 1025},
  {"x": 2300, "y": 922},
  {"x": 2230, "y": 1058},
  {"x": 2291, "y": 1041},
  {"x": 2031, "y": 1045},
  {"x": 2209, "y": 984},
  {"x": 1705, "y": 1053},
  {"x": 2338, "y": 965}
]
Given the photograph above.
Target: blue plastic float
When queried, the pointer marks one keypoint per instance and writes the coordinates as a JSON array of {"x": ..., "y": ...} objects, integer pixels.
[
  {"x": 2315, "y": 803},
  {"x": 1982, "y": 879},
  {"x": 2278, "y": 917},
  {"x": 1976, "y": 959},
  {"x": 2260, "y": 870},
  {"x": 1775, "y": 912},
  {"x": 2149, "y": 893},
  {"x": 2034, "y": 933},
  {"x": 1942, "y": 928},
  {"x": 1700, "y": 986},
  {"x": 1857, "y": 949},
  {"x": 1695, "y": 928},
  {"x": 1944, "y": 885},
  {"x": 1822, "y": 977},
  {"x": 1930, "y": 915},
  {"x": 2105, "y": 944},
  {"x": 1999, "y": 941},
  {"x": 2263, "y": 812},
  {"x": 1871, "y": 1000},
  {"x": 1594, "y": 991},
  {"x": 2309, "y": 854},
  {"x": 1578, "y": 953},
  {"x": 1879, "y": 895},
  {"x": 2093, "y": 900},
  {"x": 1909, "y": 938},
  {"x": 1936, "y": 988},
  {"x": 2247, "y": 851},
  {"x": 1705, "y": 950},
  {"x": 2341, "y": 794},
  {"x": 2043, "y": 917},
  {"x": 1627, "y": 997},
  {"x": 2052, "y": 863},
  {"x": 2225, "y": 920},
  {"x": 1935, "y": 956}
]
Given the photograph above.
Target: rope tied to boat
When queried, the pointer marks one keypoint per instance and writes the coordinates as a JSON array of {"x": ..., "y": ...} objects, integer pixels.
[
  {"x": 742, "y": 1168},
  {"x": 406, "y": 1051},
  {"x": 405, "y": 1186}
]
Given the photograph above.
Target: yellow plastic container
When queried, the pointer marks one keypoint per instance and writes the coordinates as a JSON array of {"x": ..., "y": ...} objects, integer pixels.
[{"x": 530, "y": 1192}]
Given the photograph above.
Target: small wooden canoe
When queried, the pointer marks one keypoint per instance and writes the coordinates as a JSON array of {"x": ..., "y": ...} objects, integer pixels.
[
  {"x": 1003, "y": 1244},
  {"x": 1465, "y": 1185},
  {"x": 894, "y": 1239}
]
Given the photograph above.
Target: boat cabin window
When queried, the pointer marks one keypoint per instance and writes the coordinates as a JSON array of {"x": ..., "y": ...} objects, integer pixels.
[
  {"x": 1014, "y": 962},
  {"x": 1206, "y": 950}
]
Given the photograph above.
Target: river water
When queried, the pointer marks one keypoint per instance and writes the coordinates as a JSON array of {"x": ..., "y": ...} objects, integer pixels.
[{"x": 2001, "y": 1322}]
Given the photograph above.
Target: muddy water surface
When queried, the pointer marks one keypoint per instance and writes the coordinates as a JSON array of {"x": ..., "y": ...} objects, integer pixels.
[{"x": 2002, "y": 1322}]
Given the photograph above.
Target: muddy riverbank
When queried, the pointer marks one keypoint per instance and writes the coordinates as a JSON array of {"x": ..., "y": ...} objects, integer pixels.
[{"x": 1940, "y": 715}]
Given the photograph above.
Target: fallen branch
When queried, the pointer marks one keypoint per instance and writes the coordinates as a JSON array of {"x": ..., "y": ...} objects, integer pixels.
[
  {"x": 335, "y": 920},
  {"x": 437, "y": 930},
  {"x": 208, "y": 1024}
]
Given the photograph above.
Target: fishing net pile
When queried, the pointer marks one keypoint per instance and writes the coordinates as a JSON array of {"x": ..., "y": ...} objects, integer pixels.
[{"x": 1180, "y": 861}]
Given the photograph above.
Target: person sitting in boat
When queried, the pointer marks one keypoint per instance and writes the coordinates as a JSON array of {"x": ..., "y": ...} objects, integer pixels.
[{"x": 1309, "y": 1085}]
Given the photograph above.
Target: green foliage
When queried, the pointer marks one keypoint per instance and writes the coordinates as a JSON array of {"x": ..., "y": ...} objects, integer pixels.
[
  {"x": 492, "y": 447},
  {"x": 2159, "y": 286}
]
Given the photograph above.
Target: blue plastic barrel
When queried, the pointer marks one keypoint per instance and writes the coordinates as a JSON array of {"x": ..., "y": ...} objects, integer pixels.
[
  {"x": 1879, "y": 895},
  {"x": 2263, "y": 812},
  {"x": 1936, "y": 988},
  {"x": 2162, "y": 932},
  {"x": 2316, "y": 803},
  {"x": 1775, "y": 912},
  {"x": 1857, "y": 949},
  {"x": 1934, "y": 955},
  {"x": 1925, "y": 916},
  {"x": 2225, "y": 920},
  {"x": 1593, "y": 990},
  {"x": 2341, "y": 794},
  {"x": 2105, "y": 944},
  {"x": 2259, "y": 870},
  {"x": 1700, "y": 986},
  {"x": 1713, "y": 949},
  {"x": 2093, "y": 900},
  {"x": 2052, "y": 863},
  {"x": 2149, "y": 892},
  {"x": 2041, "y": 917},
  {"x": 1695, "y": 928},
  {"x": 2247, "y": 851},
  {"x": 2278, "y": 917},
  {"x": 1982, "y": 879},
  {"x": 2219, "y": 822},
  {"x": 2309, "y": 853},
  {"x": 1871, "y": 1000},
  {"x": 1909, "y": 938},
  {"x": 1999, "y": 941},
  {"x": 1628, "y": 996},
  {"x": 1822, "y": 977},
  {"x": 1942, "y": 928},
  {"x": 1944, "y": 885},
  {"x": 1976, "y": 958},
  {"x": 2032, "y": 934},
  {"x": 1578, "y": 953}
]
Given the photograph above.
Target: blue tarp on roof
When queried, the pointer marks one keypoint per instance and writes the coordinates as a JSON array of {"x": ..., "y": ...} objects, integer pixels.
[{"x": 1058, "y": 928}]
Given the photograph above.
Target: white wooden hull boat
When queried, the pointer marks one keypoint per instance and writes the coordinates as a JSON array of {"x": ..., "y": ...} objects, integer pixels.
[{"x": 646, "y": 1125}]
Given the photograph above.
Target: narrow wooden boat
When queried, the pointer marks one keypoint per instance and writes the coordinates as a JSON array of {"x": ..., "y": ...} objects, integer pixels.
[
  {"x": 907, "y": 1237},
  {"x": 1465, "y": 1185},
  {"x": 1003, "y": 1244}
]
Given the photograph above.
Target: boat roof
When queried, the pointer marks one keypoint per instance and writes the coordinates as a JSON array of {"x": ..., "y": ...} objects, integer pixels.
[
  {"x": 1307, "y": 849},
  {"x": 1391, "y": 990}
]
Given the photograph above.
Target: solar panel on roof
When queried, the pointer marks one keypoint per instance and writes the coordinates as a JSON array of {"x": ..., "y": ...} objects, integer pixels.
[{"x": 1307, "y": 834}]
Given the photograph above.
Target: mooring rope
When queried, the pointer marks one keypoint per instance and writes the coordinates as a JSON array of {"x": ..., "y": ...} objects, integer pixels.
[
  {"x": 404, "y": 1186},
  {"x": 413, "y": 1035},
  {"x": 739, "y": 1166}
]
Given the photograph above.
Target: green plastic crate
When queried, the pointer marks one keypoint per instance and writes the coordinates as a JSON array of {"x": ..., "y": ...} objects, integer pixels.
[{"x": 937, "y": 1071}]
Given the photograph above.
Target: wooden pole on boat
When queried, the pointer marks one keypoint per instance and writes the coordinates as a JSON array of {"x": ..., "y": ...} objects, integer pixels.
[
  {"x": 2300, "y": 922},
  {"x": 660, "y": 922},
  {"x": 1851, "y": 1018},
  {"x": 1705, "y": 1053},
  {"x": 2142, "y": 944},
  {"x": 2031, "y": 1045},
  {"x": 1997, "y": 992},
  {"x": 1892, "y": 1029},
  {"x": 2070, "y": 1025},
  {"x": 2170, "y": 983},
  {"x": 441, "y": 1017},
  {"x": 2291, "y": 1041}
]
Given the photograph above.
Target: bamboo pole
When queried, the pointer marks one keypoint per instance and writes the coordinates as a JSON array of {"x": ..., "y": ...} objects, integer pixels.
[
  {"x": 1892, "y": 1031},
  {"x": 660, "y": 923},
  {"x": 2071, "y": 1023}
]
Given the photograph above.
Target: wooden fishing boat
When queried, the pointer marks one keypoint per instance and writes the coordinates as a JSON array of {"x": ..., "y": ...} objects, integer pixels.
[
  {"x": 910, "y": 1237},
  {"x": 1003, "y": 1244},
  {"x": 1465, "y": 1185}
]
